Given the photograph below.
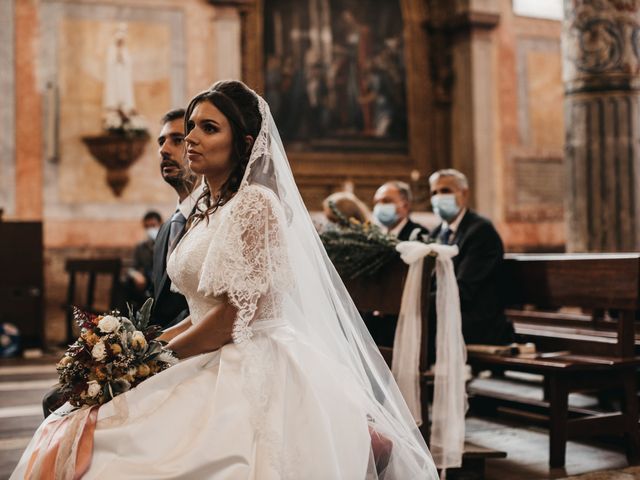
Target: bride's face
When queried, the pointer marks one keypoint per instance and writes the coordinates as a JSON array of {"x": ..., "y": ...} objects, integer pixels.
[{"x": 209, "y": 142}]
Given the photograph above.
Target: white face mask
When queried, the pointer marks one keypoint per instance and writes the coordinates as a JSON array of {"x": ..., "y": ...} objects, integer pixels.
[
  {"x": 386, "y": 213},
  {"x": 152, "y": 233},
  {"x": 445, "y": 206}
]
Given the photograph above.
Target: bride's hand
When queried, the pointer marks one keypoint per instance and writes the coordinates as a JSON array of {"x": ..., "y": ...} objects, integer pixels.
[
  {"x": 209, "y": 334},
  {"x": 172, "y": 332},
  {"x": 164, "y": 337}
]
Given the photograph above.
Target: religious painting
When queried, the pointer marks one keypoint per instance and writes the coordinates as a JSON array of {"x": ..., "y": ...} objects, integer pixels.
[{"x": 334, "y": 74}]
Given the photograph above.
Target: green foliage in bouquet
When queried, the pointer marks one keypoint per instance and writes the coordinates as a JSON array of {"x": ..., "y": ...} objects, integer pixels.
[
  {"x": 112, "y": 355},
  {"x": 357, "y": 248}
]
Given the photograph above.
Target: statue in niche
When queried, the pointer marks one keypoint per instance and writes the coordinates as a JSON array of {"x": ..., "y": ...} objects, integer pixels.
[
  {"x": 126, "y": 131},
  {"x": 120, "y": 115}
]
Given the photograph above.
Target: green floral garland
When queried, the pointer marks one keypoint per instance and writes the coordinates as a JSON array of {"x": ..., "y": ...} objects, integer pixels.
[{"x": 357, "y": 248}]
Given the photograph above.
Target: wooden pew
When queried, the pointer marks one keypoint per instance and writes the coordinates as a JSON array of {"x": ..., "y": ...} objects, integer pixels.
[
  {"x": 576, "y": 352},
  {"x": 75, "y": 267},
  {"x": 382, "y": 293}
]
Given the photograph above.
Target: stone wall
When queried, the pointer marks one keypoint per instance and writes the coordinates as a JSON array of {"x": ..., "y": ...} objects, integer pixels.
[
  {"x": 530, "y": 136},
  {"x": 55, "y": 52}
]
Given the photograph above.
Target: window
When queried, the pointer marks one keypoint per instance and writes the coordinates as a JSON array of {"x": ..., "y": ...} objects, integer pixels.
[{"x": 547, "y": 9}]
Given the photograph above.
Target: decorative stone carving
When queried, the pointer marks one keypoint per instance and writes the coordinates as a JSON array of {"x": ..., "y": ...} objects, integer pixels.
[{"x": 601, "y": 43}]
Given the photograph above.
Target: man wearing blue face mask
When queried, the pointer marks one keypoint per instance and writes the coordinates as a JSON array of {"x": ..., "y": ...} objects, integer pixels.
[
  {"x": 391, "y": 208},
  {"x": 478, "y": 263},
  {"x": 392, "y": 205},
  {"x": 139, "y": 275}
]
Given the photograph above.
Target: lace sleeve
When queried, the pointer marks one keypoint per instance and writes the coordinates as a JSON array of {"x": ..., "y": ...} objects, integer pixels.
[{"x": 246, "y": 257}]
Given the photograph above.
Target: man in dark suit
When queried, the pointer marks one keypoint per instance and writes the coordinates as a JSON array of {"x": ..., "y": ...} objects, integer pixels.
[
  {"x": 478, "y": 263},
  {"x": 137, "y": 284},
  {"x": 170, "y": 307},
  {"x": 391, "y": 208}
]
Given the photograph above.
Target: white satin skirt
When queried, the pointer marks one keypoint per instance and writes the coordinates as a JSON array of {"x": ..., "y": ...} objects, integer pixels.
[{"x": 279, "y": 410}]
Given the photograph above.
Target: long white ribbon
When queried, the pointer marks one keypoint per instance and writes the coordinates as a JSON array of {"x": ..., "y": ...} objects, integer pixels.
[{"x": 449, "y": 397}]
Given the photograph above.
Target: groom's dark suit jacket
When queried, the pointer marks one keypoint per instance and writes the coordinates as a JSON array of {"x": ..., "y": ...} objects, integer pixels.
[
  {"x": 478, "y": 268},
  {"x": 169, "y": 307}
]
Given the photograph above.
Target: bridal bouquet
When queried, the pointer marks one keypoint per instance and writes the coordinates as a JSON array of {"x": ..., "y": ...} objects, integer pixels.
[{"x": 112, "y": 355}]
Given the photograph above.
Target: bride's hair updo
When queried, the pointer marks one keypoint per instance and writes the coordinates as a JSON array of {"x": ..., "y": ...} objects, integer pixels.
[{"x": 240, "y": 106}]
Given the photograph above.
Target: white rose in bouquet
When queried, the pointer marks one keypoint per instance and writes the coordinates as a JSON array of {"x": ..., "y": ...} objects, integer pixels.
[
  {"x": 167, "y": 357},
  {"x": 94, "y": 388},
  {"x": 99, "y": 351},
  {"x": 138, "y": 340},
  {"x": 109, "y": 324}
]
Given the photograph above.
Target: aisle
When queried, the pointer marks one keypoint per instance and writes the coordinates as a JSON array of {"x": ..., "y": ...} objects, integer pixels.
[{"x": 22, "y": 386}]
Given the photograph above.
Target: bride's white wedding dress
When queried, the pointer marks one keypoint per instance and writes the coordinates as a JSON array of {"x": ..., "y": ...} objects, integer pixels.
[
  {"x": 301, "y": 393},
  {"x": 275, "y": 410}
]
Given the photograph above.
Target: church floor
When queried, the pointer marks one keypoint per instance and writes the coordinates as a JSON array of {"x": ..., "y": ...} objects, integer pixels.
[
  {"x": 24, "y": 382},
  {"x": 527, "y": 452}
]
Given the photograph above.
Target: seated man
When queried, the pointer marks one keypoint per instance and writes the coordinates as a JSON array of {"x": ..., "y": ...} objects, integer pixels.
[
  {"x": 138, "y": 282},
  {"x": 391, "y": 208},
  {"x": 477, "y": 265},
  {"x": 169, "y": 307}
]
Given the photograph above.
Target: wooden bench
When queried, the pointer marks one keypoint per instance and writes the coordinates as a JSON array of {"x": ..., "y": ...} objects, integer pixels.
[
  {"x": 576, "y": 352},
  {"x": 75, "y": 267},
  {"x": 382, "y": 294}
]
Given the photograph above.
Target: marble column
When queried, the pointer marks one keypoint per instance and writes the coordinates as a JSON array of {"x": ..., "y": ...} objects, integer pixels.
[{"x": 601, "y": 70}]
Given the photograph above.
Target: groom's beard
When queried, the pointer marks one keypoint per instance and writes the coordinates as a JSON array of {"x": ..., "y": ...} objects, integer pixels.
[{"x": 176, "y": 177}]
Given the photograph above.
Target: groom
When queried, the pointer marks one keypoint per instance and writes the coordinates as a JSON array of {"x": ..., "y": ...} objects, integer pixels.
[{"x": 169, "y": 307}]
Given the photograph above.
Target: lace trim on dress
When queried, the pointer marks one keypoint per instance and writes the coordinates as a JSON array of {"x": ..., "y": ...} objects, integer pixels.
[{"x": 246, "y": 259}]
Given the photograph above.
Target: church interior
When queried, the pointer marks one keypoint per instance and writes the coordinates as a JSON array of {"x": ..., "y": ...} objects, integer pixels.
[{"x": 535, "y": 102}]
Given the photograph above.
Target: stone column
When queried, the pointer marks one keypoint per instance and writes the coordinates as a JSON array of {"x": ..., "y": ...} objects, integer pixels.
[
  {"x": 473, "y": 98},
  {"x": 601, "y": 69},
  {"x": 28, "y": 114}
]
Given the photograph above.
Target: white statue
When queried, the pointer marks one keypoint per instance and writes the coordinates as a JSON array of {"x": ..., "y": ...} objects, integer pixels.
[
  {"x": 118, "y": 101},
  {"x": 118, "y": 91}
]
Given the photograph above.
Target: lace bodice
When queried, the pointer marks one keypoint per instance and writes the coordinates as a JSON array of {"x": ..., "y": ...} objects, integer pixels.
[
  {"x": 240, "y": 253},
  {"x": 185, "y": 265}
]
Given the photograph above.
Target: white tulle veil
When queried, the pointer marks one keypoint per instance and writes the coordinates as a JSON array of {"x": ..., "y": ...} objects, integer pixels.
[{"x": 321, "y": 312}]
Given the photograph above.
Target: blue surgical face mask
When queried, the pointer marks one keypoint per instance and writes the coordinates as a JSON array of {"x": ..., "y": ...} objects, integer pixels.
[
  {"x": 386, "y": 213},
  {"x": 445, "y": 206},
  {"x": 152, "y": 233}
]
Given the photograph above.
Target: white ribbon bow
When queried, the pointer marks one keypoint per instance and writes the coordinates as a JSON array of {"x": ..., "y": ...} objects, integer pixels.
[{"x": 449, "y": 397}]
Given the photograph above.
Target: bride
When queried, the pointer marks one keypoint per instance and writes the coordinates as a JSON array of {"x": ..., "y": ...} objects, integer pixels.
[{"x": 278, "y": 378}]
